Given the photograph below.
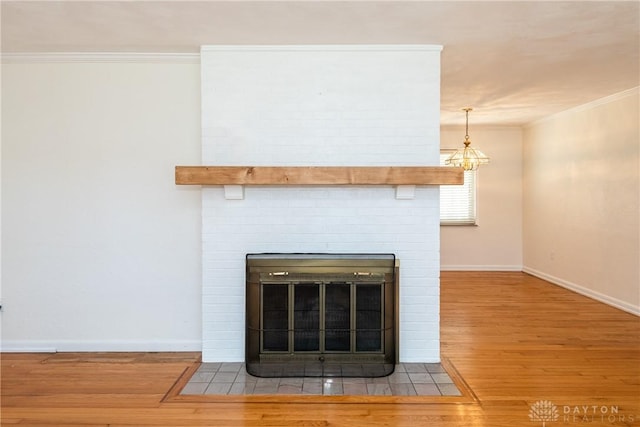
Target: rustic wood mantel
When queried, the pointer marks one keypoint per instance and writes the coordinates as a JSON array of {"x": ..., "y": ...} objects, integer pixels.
[{"x": 318, "y": 175}]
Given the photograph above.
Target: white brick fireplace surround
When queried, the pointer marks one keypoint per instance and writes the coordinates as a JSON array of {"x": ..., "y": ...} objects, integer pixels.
[{"x": 320, "y": 106}]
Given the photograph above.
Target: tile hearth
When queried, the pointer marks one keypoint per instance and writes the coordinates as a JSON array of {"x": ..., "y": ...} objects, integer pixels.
[{"x": 409, "y": 379}]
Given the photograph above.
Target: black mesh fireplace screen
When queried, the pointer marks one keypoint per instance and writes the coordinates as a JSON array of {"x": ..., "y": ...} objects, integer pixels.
[{"x": 321, "y": 315}]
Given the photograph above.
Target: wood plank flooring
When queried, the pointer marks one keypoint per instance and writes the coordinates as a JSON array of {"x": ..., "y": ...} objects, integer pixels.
[{"x": 513, "y": 338}]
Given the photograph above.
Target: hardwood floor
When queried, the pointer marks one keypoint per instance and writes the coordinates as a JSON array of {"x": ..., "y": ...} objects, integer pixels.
[{"x": 516, "y": 340}]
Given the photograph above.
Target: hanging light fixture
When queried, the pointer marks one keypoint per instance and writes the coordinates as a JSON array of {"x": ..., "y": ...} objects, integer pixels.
[{"x": 468, "y": 158}]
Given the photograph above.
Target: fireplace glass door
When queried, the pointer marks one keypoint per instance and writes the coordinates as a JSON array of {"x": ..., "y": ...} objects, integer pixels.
[
  {"x": 337, "y": 317},
  {"x": 325, "y": 322},
  {"x": 368, "y": 318},
  {"x": 275, "y": 318},
  {"x": 306, "y": 317},
  {"x": 323, "y": 317}
]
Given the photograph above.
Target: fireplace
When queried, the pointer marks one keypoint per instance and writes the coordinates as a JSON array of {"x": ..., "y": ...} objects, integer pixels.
[
  {"x": 318, "y": 107},
  {"x": 321, "y": 315}
]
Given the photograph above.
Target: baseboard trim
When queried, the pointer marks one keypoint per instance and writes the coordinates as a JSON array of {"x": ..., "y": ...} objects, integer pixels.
[
  {"x": 8, "y": 347},
  {"x": 606, "y": 299},
  {"x": 23, "y": 346},
  {"x": 480, "y": 268}
]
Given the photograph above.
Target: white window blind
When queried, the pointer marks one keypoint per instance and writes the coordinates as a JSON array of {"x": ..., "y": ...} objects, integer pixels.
[{"x": 458, "y": 202}]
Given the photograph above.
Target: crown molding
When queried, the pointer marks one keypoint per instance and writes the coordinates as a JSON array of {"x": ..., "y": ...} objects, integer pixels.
[
  {"x": 100, "y": 57},
  {"x": 324, "y": 48},
  {"x": 634, "y": 91}
]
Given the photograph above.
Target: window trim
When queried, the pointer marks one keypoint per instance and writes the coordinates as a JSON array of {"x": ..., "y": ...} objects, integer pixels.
[{"x": 473, "y": 221}]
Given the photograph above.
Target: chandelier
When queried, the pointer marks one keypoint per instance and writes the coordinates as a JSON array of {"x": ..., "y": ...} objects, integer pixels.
[{"x": 468, "y": 158}]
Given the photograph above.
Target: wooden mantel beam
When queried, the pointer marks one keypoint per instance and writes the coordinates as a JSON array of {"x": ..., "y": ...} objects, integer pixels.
[{"x": 318, "y": 175}]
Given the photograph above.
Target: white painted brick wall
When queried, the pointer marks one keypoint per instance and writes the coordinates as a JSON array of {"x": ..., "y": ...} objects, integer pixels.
[{"x": 320, "y": 105}]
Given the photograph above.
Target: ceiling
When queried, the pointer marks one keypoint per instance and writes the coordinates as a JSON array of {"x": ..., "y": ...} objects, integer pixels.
[{"x": 514, "y": 62}]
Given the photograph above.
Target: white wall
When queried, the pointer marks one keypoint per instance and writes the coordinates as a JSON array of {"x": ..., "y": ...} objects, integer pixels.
[
  {"x": 581, "y": 200},
  {"x": 321, "y": 105},
  {"x": 101, "y": 249},
  {"x": 496, "y": 242}
]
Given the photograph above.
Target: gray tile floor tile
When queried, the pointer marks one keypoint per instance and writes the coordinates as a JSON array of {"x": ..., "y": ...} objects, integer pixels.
[
  {"x": 224, "y": 377},
  {"x": 242, "y": 388},
  {"x": 289, "y": 389},
  {"x": 355, "y": 389},
  {"x": 379, "y": 389},
  {"x": 377, "y": 380},
  {"x": 332, "y": 388},
  {"x": 266, "y": 388},
  {"x": 427, "y": 390},
  {"x": 415, "y": 367},
  {"x": 399, "y": 377},
  {"x": 209, "y": 367},
  {"x": 218, "y": 388},
  {"x": 402, "y": 389},
  {"x": 244, "y": 377},
  {"x": 442, "y": 378},
  {"x": 434, "y": 367},
  {"x": 449, "y": 390},
  {"x": 295, "y": 381},
  {"x": 354, "y": 380},
  {"x": 312, "y": 387},
  {"x": 420, "y": 378},
  {"x": 230, "y": 367},
  {"x": 194, "y": 388},
  {"x": 202, "y": 377},
  {"x": 408, "y": 379}
]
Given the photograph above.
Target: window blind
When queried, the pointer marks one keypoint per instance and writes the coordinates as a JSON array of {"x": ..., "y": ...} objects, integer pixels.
[{"x": 458, "y": 202}]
